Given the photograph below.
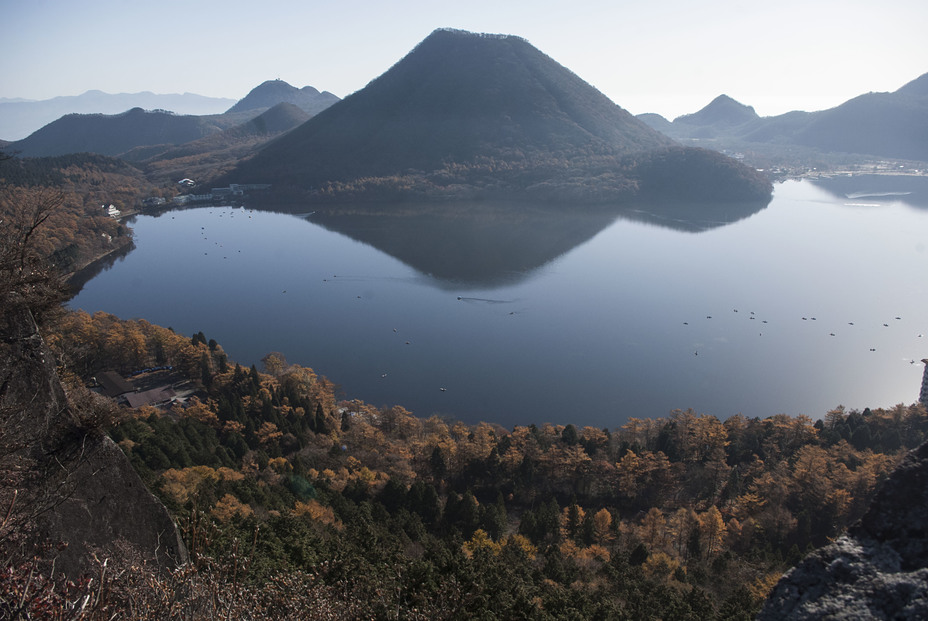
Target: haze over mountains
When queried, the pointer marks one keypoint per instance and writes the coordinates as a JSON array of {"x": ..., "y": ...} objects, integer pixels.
[
  {"x": 117, "y": 134},
  {"x": 19, "y": 118},
  {"x": 891, "y": 125},
  {"x": 114, "y": 134},
  {"x": 469, "y": 116},
  {"x": 473, "y": 115}
]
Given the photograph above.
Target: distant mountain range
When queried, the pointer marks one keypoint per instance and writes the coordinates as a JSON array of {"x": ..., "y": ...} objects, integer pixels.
[
  {"x": 120, "y": 134},
  {"x": 21, "y": 117},
  {"x": 472, "y": 116},
  {"x": 468, "y": 115},
  {"x": 887, "y": 125}
]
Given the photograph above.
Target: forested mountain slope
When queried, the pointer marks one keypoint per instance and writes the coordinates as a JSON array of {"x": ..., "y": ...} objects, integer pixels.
[{"x": 466, "y": 115}]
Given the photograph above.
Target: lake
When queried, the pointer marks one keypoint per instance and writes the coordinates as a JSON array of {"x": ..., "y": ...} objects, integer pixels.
[{"x": 530, "y": 316}]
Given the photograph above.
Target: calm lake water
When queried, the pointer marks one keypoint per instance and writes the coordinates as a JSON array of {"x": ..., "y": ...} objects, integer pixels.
[{"x": 816, "y": 300}]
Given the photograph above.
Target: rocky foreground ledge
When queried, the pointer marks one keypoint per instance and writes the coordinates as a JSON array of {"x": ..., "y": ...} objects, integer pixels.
[
  {"x": 63, "y": 482},
  {"x": 878, "y": 570}
]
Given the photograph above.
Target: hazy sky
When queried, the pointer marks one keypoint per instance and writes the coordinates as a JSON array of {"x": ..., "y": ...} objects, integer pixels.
[{"x": 666, "y": 56}]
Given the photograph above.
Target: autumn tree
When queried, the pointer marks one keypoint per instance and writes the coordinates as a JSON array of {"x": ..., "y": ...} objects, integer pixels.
[
  {"x": 653, "y": 530},
  {"x": 711, "y": 530},
  {"x": 25, "y": 271},
  {"x": 602, "y": 527},
  {"x": 275, "y": 363}
]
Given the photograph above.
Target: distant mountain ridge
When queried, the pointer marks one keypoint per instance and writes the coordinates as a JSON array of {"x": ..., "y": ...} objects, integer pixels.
[
  {"x": 464, "y": 114},
  {"x": 890, "y": 125},
  {"x": 113, "y": 134},
  {"x": 916, "y": 88},
  {"x": 272, "y": 92},
  {"x": 141, "y": 134},
  {"x": 723, "y": 110},
  {"x": 19, "y": 118},
  {"x": 881, "y": 124}
]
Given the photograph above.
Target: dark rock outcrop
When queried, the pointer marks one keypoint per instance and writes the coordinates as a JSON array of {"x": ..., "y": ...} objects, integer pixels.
[
  {"x": 878, "y": 570},
  {"x": 66, "y": 481}
]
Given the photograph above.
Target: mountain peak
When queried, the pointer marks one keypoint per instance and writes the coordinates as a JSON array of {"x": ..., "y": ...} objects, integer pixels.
[
  {"x": 443, "y": 33},
  {"x": 272, "y": 92},
  {"x": 457, "y": 97},
  {"x": 723, "y": 110}
]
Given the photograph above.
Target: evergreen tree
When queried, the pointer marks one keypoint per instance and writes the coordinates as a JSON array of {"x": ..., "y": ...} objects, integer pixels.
[
  {"x": 319, "y": 425},
  {"x": 206, "y": 375},
  {"x": 392, "y": 496},
  {"x": 570, "y": 436},
  {"x": 494, "y": 518},
  {"x": 437, "y": 462},
  {"x": 422, "y": 499}
]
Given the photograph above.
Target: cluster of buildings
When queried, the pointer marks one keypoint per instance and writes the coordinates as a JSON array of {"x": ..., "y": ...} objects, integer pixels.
[
  {"x": 116, "y": 387},
  {"x": 233, "y": 190}
]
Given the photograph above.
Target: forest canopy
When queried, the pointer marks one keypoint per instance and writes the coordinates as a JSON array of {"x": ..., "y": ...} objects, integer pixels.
[{"x": 391, "y": 515}]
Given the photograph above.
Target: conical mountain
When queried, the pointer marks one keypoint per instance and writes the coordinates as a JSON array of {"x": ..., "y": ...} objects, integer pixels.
[
  {"x": 463, "y": 115},
  {"x": 457, "y": 96}
]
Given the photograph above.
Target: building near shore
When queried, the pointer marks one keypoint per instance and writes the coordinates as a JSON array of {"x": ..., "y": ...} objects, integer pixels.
[
  {"x": 156, "y": 396},
  {"x": 113, "y": 384}
]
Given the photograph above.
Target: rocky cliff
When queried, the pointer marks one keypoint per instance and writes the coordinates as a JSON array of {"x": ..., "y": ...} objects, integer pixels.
[
  {"x": 63, "y": 482},
  {"x": 878, "y": 570}
]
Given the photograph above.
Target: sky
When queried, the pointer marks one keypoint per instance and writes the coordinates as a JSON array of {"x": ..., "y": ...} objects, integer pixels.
[{"x": 671, "y": 57}]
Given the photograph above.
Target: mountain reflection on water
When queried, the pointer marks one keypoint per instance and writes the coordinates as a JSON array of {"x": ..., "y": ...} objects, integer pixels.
[
  {"x": 494, "y": 244},
  {"x": 530, "y": 316},
  {"x": 691, "y": 217}
]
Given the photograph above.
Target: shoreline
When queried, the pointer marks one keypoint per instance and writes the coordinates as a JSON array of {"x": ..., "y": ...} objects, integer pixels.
[{"x": 76, "y": 279}]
